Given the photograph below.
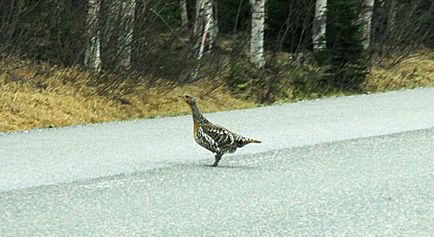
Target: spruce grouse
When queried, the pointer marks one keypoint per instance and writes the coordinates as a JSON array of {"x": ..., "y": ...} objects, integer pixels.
[{"x": 215, "y": 138}]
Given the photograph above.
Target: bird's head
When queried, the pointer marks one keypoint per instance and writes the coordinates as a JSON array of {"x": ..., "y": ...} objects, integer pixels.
[{"x": 188, "y": 99}]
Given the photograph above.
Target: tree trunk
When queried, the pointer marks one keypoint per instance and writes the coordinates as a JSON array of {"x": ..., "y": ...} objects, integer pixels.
[
  {"x": 198, "y": 23},
  {"x": 257, "y": 33},
  {"x": 391, "y": 18},
  {"x": 209, "y": 32},
  {"x": 126, "y": 33},
  {"x": 184, "y": 12},
  {"x": 93, "y": 54},
  {"x": 205, "y": 19},
  {"x": 366, "y": 20},
  {"x": 210, "y": 24},
  {"x": 319, "y": 25}
]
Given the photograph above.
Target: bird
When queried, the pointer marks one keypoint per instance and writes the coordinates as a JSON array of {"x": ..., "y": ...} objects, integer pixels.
[{"x": 213, "y": 137}]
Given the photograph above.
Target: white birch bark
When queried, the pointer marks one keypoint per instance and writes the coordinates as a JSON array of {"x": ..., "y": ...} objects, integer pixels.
[
  {"x": 126, "y": 34},
  {"x": 366, "y": 20},
  {"x": 210, "y": 24},
  {"x": 199, "y": 21},
  {"x": 92, "y": 57},
  {"x": 209, "y": 28},
  {"x": 198, "y": 7},
  {"x": 184, "y": 14},
  {"x": 257, "y": 33},
  {"x": 319, "y": 25},
  {"x": 391, "y": 17}
]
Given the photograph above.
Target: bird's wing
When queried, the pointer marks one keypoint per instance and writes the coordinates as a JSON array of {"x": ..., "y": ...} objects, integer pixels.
[
  {"x": 206, "y": 141},
  {"x": 220, "y": 135}
]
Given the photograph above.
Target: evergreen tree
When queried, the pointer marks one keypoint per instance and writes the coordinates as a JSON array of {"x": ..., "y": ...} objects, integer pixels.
[{"x": 348, "y": 66}]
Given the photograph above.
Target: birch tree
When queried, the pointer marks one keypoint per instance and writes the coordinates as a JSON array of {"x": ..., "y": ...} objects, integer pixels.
[
  {"x": 319, "y": 25},
  {"x": 127, "y": 10},
  {"x": 209, "y": 29},
  {"x": 257, "y": 33},
  {"x": 210, "y": 23},
  {"x": 198, "y": 22},
  {"x": 391, "y": 17},
  {"x": 204, "y": 20},
  {"x": 93, "y": 54},
  {"x": 366, "y": 20},
  {"x": 184, "y": 12}
]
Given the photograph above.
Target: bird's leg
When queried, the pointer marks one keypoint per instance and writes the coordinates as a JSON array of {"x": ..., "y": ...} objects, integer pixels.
[{"x": 218, "y": 156}]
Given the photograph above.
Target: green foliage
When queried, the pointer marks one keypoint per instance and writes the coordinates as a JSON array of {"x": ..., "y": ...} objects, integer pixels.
[
  {"x": 289, "y": 24},
  {"x": 345, "y": 54},
  {"x": 233, "y": 16},
  {"x": 283, "y": 79},
  {"x": 169, "y": 10}
]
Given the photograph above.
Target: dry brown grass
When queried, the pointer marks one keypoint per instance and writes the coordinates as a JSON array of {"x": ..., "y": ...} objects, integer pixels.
[
  {"x": 62, "y": 97},
  {"x": 41, "y": 95},
  {"x": 415, "y": 71}
]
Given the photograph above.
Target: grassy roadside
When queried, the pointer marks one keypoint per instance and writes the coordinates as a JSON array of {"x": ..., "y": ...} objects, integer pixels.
[
  {"x": 415, "y": 71},
  {"x": 41, "y": 95}
]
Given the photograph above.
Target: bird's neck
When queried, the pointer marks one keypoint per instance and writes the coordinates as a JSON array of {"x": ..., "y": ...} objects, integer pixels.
[{"x": 197, "y": 115}]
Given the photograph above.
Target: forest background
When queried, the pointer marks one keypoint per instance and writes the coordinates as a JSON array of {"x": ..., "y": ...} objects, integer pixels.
[{"x": 65, "y": 62}]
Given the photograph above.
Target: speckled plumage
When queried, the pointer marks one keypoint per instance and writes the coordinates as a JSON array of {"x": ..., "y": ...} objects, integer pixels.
[{"x": 213, "y": 137}]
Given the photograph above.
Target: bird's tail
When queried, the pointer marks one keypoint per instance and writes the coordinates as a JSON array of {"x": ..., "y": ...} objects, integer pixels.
[
  {"x": 242, "y": 141},
  {"x": 249, "y": 140}
]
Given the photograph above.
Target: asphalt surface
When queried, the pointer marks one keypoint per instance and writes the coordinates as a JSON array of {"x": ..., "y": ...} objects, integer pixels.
[{"x": 354, "y": 166}]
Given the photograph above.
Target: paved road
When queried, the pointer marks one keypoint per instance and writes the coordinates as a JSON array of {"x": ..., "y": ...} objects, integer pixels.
[{"x": 354, "y": 166}]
